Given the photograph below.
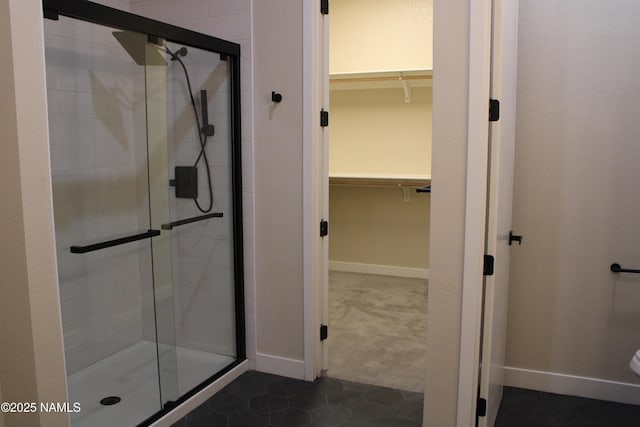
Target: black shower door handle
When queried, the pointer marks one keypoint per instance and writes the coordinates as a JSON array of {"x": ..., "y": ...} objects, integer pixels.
[
  {"x": 113, "y": 242},
  {"x": 172, "y": 225}
]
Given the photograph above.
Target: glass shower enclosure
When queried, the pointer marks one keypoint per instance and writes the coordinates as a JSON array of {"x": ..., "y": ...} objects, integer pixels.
[{"x": 146, "y": 171}]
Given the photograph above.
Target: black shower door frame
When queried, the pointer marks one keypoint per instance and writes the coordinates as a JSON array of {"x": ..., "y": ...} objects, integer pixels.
[{"x": 102, "y": 15}]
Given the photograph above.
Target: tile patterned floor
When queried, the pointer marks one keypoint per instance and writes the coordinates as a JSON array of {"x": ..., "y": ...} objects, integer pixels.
[
  {"x": 528, "y": 408},
  {"x": 263, "y": 400}
]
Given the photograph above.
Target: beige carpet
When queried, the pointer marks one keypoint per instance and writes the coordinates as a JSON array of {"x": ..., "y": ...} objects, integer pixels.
[{"x": 377, "y": 330}]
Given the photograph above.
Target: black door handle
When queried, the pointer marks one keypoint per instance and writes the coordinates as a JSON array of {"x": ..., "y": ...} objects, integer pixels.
[
  {"x": 617, "y": 268},
  {"x": 514, "y": 238}
]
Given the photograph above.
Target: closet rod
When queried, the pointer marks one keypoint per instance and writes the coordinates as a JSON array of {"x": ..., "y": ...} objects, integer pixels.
[{"x": 378, "y": 79}]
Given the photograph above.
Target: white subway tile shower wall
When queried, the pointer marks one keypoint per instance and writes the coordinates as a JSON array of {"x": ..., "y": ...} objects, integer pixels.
[{"x": 97, "y": 171}]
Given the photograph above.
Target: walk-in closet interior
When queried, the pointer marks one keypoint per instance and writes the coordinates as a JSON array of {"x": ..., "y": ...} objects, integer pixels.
[
  {"x": 144, "y": 141},
  {"x": 379, "y": 192}
]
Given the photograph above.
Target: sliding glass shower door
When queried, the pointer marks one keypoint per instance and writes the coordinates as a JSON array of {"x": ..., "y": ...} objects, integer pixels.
[
  {"x": 191, "y": 202},
  {"x": 144, "y": 139}
]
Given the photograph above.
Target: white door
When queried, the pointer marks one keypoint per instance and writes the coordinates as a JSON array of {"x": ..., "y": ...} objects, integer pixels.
[{"x": 500, "y": 190}]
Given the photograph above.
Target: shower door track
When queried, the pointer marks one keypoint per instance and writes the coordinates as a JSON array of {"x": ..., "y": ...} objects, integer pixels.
[{"x": 230, "y": 51}]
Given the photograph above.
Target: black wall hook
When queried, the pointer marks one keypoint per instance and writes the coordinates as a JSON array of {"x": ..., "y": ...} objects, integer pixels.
[{"x": 276, "y": 97}]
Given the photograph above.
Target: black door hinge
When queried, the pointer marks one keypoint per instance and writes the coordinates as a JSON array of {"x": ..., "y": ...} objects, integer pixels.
[
  {"x": 324, "y": 332},
  {"x": 324, "y": 7},
  {"x": 324, "y": 118},
  {"x": 487, "y": 268},
  {"x": 324, "y": 228},
  {"x": 494, "y": 110},
  {"x": 481, "y": 407}
]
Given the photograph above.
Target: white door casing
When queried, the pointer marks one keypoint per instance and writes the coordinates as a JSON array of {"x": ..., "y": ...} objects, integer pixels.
[{"x": 315, "y": 186}]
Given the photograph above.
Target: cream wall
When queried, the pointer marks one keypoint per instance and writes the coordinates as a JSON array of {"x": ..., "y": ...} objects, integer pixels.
[
  {"x": 380, "y": 35},
  {"x": 31, "y": 360},
  {"x": 374, "y": 131},
  {"x": 277, "y": 37},
  {"x": 376, "y": 226},
  {"x": 576, "y": 198}
]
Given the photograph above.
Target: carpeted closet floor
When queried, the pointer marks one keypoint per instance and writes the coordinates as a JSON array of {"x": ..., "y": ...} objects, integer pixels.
[{"x": 377, "y": 330}]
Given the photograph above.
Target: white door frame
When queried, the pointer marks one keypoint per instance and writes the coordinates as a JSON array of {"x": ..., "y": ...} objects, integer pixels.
[{"x": 314, "y": 185}]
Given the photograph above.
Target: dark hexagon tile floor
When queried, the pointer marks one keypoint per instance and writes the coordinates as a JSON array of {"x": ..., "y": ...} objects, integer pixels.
[
  {"x": 263, "y": 400},
  {"x": 529, "y": 408}
]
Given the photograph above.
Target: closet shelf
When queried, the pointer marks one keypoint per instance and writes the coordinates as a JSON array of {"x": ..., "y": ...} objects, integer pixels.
[
  {"x": 379, "y": 180},
  {"x": 381, "y": 79}
]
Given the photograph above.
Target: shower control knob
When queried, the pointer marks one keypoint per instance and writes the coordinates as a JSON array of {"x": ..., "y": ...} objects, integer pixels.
[{"x": 208, "y": 130}]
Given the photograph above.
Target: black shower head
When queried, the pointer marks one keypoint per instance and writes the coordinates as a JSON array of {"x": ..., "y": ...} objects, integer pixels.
[
  {"x": 178, "y": 53},
  {"x": 140, "y": 49}
]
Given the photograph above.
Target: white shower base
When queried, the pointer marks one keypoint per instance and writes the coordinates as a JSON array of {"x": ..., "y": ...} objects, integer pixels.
[{"x": 132, "y": 375}]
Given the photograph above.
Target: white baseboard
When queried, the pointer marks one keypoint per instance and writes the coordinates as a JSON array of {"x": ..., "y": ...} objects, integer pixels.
[
  {"x": 283, "y": 366},
  {"x": 572, "y": 385},
  {"x": 384, "y": 270},
  {"x": 202, "y": 396}
]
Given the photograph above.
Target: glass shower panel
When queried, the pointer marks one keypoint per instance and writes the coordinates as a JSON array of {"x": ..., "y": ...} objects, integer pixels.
[
  {"x": 98, "y": 142},
  {"x": 200, "y": 208}
]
